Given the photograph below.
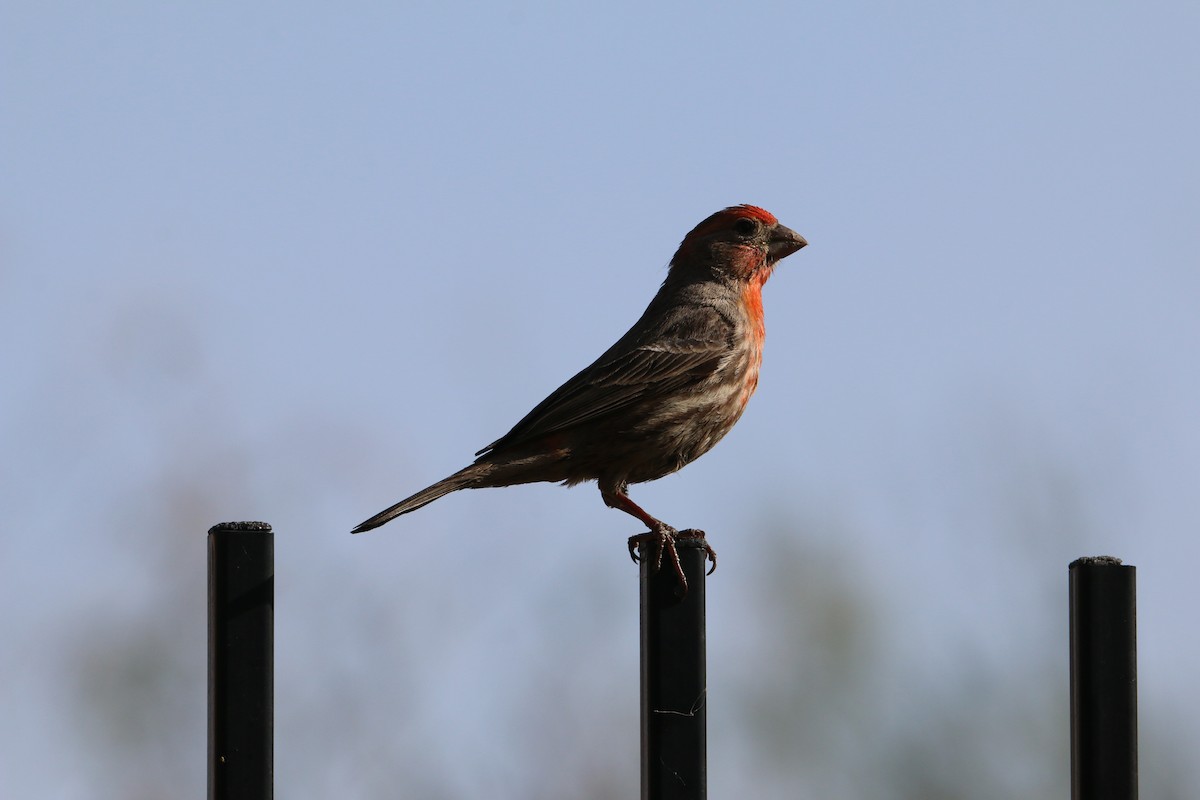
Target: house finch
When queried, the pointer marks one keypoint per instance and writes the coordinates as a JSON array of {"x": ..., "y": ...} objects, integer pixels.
[{"x": 660, "y": 397}]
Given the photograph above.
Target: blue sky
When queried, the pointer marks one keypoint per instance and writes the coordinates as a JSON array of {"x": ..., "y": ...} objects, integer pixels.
[{"x": 314, "y": 257}]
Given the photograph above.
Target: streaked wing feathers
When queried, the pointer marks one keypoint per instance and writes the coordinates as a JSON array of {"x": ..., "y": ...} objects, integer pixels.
[{"x": 674, "y": 360}]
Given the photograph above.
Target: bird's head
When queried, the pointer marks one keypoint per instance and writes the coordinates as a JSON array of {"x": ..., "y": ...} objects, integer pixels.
[{"x": 739, "y": 242}]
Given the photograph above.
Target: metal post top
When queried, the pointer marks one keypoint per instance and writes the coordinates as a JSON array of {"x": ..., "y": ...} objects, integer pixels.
[
  {"x": 240, "y": 527},
  {"x": 1095, "y": 561}
]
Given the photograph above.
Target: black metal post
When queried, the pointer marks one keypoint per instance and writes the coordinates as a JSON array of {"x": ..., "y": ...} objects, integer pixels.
[
  {"x": 1103, "y": 679},
  {"x": 674, "y": 687},
  {"x": 241, "y": 647}
]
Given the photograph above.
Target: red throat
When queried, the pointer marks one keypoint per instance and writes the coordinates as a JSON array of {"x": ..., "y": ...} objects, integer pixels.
[{"x": 752, "y": 298}]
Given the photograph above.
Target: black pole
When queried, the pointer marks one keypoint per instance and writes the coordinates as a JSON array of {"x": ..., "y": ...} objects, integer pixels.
[
  {"x": 241, "y": 641},
  {"x": 1103, "y": 679},
  {"x": 674, "y": 688}
]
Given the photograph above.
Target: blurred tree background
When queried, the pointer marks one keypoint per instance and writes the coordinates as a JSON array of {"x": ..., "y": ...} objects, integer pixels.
[
  {"x": 291, "y": 263},
  {"x": 451, "y": 683}
]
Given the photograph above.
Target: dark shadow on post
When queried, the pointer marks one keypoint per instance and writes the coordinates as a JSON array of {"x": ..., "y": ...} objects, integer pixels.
[
  {"x": 241, "y": 641},
  {"x": 674, "y": 687},
  {"x": 1103, "y": 606}
]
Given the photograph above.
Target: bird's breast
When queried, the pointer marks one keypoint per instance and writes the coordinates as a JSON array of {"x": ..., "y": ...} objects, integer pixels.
[{"x": 756, "y": 332}]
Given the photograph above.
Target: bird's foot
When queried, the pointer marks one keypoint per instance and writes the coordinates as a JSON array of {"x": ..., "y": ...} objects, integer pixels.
[{"x": 662, "y": 541}]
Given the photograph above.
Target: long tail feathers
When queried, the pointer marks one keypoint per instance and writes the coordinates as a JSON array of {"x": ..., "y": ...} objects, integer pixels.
[{"x": 462, "y": 479}]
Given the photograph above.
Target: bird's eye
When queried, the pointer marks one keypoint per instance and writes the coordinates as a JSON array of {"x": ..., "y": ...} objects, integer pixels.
[{"x": 745, "y": 226}]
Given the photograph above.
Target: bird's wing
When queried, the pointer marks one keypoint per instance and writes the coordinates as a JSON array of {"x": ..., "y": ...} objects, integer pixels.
[{"x": 680, "y": 354}]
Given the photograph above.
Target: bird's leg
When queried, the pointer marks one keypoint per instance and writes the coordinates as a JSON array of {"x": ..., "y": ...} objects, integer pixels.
[
  {"x": 659, "y": 530},
  {"x": 661, "y": 535}
]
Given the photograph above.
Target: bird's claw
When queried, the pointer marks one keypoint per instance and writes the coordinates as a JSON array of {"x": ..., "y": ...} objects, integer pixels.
[{"x": 663, "y": 541}]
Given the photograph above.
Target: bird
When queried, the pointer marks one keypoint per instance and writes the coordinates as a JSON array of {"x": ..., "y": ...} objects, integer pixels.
[{"x": 661, "y": 396}]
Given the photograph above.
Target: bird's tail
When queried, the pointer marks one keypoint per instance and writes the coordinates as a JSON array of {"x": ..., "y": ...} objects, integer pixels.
[{"x": 463, "y": 479}]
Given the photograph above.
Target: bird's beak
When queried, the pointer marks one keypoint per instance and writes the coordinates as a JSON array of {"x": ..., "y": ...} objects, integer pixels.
[{"x": 784, "y": 241}]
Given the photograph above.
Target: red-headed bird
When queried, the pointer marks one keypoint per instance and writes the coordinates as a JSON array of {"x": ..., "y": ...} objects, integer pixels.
[{"x": 660, "y": 397}]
